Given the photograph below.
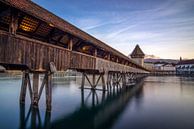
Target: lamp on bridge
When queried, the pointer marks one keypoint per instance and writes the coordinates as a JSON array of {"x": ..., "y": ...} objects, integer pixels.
[{"x": 137, "y": 55}]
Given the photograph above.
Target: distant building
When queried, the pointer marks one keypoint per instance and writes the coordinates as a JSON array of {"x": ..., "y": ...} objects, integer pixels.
[
  {"x": 185, "y": 67},
  {"x": 164, "y": 66},
  {"x": 149, "y": 65},
  {"x": 158, "y": 65},
  {"x": 138, "y": 56},
  {"x": 169, "y": 67}
]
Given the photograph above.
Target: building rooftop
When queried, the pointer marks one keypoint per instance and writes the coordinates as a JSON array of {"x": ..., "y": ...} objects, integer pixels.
[{"x": 137, "y": 52}]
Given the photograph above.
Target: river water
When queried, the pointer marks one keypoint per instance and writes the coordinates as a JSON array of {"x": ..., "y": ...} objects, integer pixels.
[{"x": 157, "y": 103}]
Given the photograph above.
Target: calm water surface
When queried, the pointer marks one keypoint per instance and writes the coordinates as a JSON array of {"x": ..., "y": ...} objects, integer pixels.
[{"x": 156, "y": 103}]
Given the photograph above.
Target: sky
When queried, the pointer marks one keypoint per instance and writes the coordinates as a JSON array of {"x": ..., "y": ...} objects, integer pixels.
[{"x": 164, "y": 28}]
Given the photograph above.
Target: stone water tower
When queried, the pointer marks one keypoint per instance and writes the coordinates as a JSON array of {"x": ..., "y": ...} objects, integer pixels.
[{"x": 137, "y": 55}]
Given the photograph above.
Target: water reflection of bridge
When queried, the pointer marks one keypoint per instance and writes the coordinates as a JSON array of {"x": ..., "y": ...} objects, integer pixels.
[{"x": 103, "y": 111}]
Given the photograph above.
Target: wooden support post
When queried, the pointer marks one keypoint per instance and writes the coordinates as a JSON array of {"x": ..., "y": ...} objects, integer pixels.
[
  {"x": 47, "y": 120},
  {"x": 88, "y": 80},
  {"x": 35, "y": 89},
  {"x": 82, "y": 98},
  {"x": 44, "y": 81},
  {"x": 22, "y": 116},
  {"x": 93, "y": 80},
  {"x": 70, "y": 45},
  {"x": 111, "y": 80},
  {"x": 124, "y": 79},
  {"x": 14, "y": 22},
  {"x": 109, "y": 57},
  {"x": 93, "y": 98},
  {"x": 117, "y": 60},
  {"x": 108, "y": 82},
  {"x": 30, "y": 87},
  {"x": 130, "y": 77},
  {"x": 103, "y": 82},
  {"x": 83, "y": 81},
  {"x": 33, "y": 118},
  {"x": 24, "y": 87},
  {"x": 95, "y": 52},
  {"x": 48, "y": 90},
  {"x": 103, "y": 97},
  {"x": 117, "y": 79}
]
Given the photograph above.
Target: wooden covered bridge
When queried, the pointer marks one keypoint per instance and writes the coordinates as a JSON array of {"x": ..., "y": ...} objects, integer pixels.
[{"x": 36, "y": 41}]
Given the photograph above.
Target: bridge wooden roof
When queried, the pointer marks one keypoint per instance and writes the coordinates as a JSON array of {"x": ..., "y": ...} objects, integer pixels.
[
  {"x": 38, "y": 12},
  {"x": 43, "y": 14}
]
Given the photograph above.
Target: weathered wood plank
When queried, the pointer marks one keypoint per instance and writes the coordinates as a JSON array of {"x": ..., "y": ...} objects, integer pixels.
[
  {"x": 35, "y": 55},
  {"x": 82, "y": 61}
]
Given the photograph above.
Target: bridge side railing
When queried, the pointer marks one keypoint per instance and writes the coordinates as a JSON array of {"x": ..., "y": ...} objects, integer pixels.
[
  {"x": 36, "y": 55},
  {"x": 105, "y": 65},
  {"x": 16, "y": 49},
  {"x": 82, "y": 61}
]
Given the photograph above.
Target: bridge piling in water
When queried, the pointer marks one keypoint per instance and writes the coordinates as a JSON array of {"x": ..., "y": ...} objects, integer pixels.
[
  {"x": 25, "y": 84},
  {"x": 48, "y": 89},
  {"x": 94, "y": 81},
  {"x": 32, "y": 118},
  {"x": 115, "y": 81},
  {"x": 34, "y": 90}
]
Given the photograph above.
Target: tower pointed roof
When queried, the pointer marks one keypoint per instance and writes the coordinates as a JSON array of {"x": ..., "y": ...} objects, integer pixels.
[{"x": 137, "y": 52}]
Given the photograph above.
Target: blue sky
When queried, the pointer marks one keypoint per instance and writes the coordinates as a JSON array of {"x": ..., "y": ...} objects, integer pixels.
[{"x": 164, "y": 28}]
